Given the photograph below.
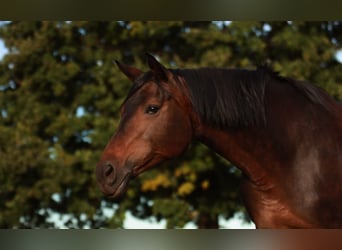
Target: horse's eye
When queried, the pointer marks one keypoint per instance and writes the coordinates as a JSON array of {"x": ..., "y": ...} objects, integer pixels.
[{"x": 151, "y": 109}]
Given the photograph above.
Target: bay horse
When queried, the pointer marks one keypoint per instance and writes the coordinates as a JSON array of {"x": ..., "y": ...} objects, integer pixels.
[{"x": 284, "y": 135}]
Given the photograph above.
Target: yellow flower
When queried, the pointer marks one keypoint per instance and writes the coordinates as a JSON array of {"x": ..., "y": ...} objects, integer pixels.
[{"x": 186, "y": 188}]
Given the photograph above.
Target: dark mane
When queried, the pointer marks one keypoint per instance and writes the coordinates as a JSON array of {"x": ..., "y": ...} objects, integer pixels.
[
  {"x": 235, "y": 97},
  {"x": 227, "y": 97}
]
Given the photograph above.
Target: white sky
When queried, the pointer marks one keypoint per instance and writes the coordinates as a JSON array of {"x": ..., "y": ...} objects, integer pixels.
[
  {"x": 3, "y": 50},
  {"x": 235, "y": 223}
]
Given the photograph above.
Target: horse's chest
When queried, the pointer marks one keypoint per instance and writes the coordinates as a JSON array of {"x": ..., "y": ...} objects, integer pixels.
[{"x": 270, "y": 210}]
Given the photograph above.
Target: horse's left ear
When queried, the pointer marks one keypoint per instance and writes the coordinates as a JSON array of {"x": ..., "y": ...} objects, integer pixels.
[
  {"x": 160, "y": 72},
  {"x": 131, "y": 72}
]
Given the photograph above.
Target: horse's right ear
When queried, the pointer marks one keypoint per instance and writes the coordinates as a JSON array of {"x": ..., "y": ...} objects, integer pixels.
[{"x": 131, "y": 72}]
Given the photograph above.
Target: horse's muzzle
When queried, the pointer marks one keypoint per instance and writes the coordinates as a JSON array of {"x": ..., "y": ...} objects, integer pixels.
[{"x": 111, "y": 181}]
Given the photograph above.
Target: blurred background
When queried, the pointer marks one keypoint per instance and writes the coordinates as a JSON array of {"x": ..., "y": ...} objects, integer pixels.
[{"x": 60, "y": 92}]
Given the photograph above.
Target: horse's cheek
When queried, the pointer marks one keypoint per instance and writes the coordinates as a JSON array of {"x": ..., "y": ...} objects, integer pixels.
[{"x": 179, "y": 132}]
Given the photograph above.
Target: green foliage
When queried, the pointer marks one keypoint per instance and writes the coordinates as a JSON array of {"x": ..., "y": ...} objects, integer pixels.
[
  {"x": 60, "y": 92},
  {"x": 176, "y": 211}
]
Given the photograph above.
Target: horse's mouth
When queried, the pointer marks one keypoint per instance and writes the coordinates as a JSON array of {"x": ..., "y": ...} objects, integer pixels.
[{"x": 121, "y": 188}]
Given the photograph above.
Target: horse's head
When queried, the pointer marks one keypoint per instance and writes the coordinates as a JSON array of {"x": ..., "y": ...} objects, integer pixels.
[{"x": 155, "y": 125}]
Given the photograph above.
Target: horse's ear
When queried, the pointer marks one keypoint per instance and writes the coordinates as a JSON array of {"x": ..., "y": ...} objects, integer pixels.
[
  {"x": 160, "y": 72},
  {"x": 131, "y": 72}
]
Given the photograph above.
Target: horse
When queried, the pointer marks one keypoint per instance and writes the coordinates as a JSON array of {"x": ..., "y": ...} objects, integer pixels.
[{"x": 285, "y": 136}]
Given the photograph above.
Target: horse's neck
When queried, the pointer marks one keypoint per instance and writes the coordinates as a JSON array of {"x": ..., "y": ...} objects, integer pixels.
[
  {"x": 259, "y": 151},
  {"x": 244, "y": 148}
]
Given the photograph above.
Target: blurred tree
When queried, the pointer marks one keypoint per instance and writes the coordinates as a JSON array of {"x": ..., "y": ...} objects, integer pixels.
[{"x": 59, "y": 97}]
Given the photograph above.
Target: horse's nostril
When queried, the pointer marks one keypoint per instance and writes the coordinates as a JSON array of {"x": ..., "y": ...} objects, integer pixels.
[{"x": 108, "y": 170}]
